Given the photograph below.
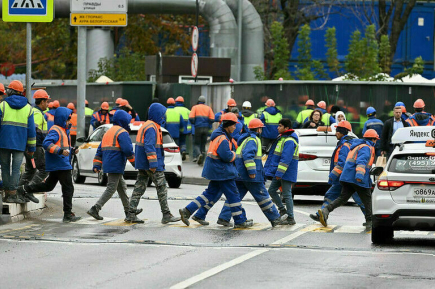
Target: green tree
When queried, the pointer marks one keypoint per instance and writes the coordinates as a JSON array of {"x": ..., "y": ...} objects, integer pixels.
[
  {"x": 304, "y": 71},
  {"x": 416, "y": 68},
  {"x": 384, "y": 54},
  {"x": 331, "y": 53}
]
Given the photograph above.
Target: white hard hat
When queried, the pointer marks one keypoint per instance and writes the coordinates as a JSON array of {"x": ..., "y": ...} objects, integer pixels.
[{"x": 246, "y": 104}]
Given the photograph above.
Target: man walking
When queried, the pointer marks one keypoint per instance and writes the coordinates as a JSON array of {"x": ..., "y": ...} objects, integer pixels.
[
  {"x": 390, "y": 127},
  {"x": 174, "y": 122},
  {"x": 220, "y": 170},
  {"x": 37, "y": 174},
  {"x": 270, "y": 117},
  {"x": 201, "y": 117},
  {"x": 282, "y": 167},
  {"x": 17, "y": 135},
  {"x": 112, "y": 155},
  {"x": 373, "y": 123},
  {"x": 150, "y": 161},
  {"x": 187, "y": 130},
  {"x": 356, "y": 177}
]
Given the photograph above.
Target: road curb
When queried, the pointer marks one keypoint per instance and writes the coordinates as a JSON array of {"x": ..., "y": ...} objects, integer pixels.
[{"x": 195, "y": 181}]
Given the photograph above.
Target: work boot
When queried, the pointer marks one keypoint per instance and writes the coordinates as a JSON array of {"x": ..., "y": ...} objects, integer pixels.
[
  {"x": 201, "y": 221},
  {"x": 315, "y": 217},
  {"x": 183, "y": 156},
  {"x": 169, "y": 218},
  {"x": 246, "y": 224},
  {"x": 93, "y": 212},
  {"x": 185, "y": 215},
  {"x": 281, "y": 220},
  {"x": 132, "y": 218},
  {"x": 27, "y": 196},
  {"x": 323, "y": 216},
  {"x": 368, "y": 225},
  {"x": 282, "y": 212},
  {"x": 15, "y": 198},
  {"x": 71, "y": 217},
  {"x": 195, "y": 160},
  {"x": 290, "y": 221},
  {"x": 224, "y": 223},
  {"x": 200, "y": 159},
  {"x": 136, "y": 212},
  {"x": 6, "y": 196}
]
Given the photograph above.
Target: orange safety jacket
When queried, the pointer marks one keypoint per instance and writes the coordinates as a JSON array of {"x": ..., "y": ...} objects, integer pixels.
[
  {"x": 149, "y": 149},
  {"x": 73, "y": 129}
]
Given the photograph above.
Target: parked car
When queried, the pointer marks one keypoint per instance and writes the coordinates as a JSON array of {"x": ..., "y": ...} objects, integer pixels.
[{"x": 83, "y": 161}]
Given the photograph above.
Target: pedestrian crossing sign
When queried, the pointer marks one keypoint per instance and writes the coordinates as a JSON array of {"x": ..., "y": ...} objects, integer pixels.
[{"x": 27, "y": 10}]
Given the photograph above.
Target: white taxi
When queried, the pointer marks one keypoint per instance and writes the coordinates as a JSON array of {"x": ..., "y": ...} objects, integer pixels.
[
  {"x": 404, "y": 194},
  {"x": 83, "y": 161}
]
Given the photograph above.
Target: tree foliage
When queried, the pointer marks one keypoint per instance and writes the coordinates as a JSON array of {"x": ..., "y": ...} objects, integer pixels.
[{"x": 331, "y": 53}]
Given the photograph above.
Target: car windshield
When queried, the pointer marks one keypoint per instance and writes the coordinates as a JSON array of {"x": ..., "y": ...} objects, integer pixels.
[
  {"x": 413, "y": 164},
  {"x": 166, "y": 137}
]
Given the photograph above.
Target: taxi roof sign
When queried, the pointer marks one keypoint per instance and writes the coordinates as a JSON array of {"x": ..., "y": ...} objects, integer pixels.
[
  {"x": 27, "y": 10},
  {"x": 413, "y": 134}
]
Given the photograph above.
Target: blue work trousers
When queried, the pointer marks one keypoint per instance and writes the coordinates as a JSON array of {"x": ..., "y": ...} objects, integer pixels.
[
  {"x": 334, "y": 192},
  {"x": 286, "y": 193},
  {"x": 10, "y": 177},
  {"x": 214, "y": 192},
  {"x": 182, "y": 144}
]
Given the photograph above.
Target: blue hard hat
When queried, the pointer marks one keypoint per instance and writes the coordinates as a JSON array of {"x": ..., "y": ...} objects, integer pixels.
[
  {"x": 370, "y": 110},
  {"x": 399, "y": 103}
]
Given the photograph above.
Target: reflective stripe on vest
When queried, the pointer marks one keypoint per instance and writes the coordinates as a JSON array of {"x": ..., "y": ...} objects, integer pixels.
[
  {"x": 214, "y": 145},
  {"x": 62, "y": 143},
  {"x": 152, "y": 156},
  {"x": 249, "y": 164},
  {"x": 73, "y": 129},
  {"x": 413, "y": 122},
  {"x": 280, "y": 146},
  {"x": 110, "y": 139},
  {"x": 352, "y": 156},
  {"x": 40, "y": 121},
  {"x": 270, "y": 119},
  {"x": 102, "y": 117},
  {"x": 17, "y": 118},
  {"x": 338, "y": 169}
]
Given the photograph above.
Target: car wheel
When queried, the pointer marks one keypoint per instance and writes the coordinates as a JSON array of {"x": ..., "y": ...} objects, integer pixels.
[
  {"x": 380, "y": 235},
  {"x": 77, "y": 178},
  {"x": 174, "y": 182},
  {"x": 102, "y": 178}
]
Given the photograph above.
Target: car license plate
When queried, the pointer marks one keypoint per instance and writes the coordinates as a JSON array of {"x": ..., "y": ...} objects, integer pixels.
[
  {"x": 424, "y": 193},
  {"x": 326, "y": 162}
]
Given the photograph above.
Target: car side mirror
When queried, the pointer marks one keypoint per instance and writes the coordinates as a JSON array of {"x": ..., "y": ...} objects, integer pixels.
[
  {"x": 376, "y": 171},
  {"x": 82, "y": 139}
]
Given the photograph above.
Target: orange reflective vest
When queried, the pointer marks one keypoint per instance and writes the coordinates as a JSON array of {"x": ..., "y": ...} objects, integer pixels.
[
  {"x": 103, "y": 117},
  {"x": 63, "y": 142},
  {"x": 73, "y": 130},
  {"x": 413, "y": 122},
  {"x": 151, "y": 156},
  {"x": 354, "y": 154},
  {"x": 214, "y": 145},
  {"x": 338, "y": 169}
]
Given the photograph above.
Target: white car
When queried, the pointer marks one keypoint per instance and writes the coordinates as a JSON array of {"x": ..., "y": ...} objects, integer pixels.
[
  {"x": 404, "y": 195},
  {"x": 315, "y": 152},
  {"x": 83, "y": 161}
]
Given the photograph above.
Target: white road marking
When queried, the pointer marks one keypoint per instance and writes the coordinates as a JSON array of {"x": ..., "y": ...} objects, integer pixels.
[{"x": 301, "y": 212}]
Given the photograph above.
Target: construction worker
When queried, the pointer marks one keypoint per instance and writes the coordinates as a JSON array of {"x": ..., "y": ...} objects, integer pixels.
[
  {"x": 88, "y": 116},
  {"x": 251, "y": 178},
  {"x": 230, "y": 104},
  {"x": 73, "y": 129},
  {"x": 355, "y": 177},
  {"x": 112, "y": 154},
  {"x": 262, "y": 100},
  {"x": 201, "y": 117},
  {"x": 179, "y": 106},
  {"x": 327, "y": 118},
  {"x": 420, "y": 117},
  {"x": 49, "y": 116},
  {"x": 270, "y": 117},
  {"x": 58, "y": 153},
  {"x": 247, "y": 113},
  {"x": 240, "y": 127},
  {"x": 150, "y": 161},
  {"x": 220, "y": 170},
  {"x": 376, "y": 124},
  {"x": 282, "y": 167},
  {"x": 125, "y": 105},
  {"x": 303, "y": 115},
  {"x": 174, "y": 122},
  {"x": 117, "y": 105},
  {"x": 102, "y": 116},
  {"x": 37, "y": 174},
  {"x": 88, "y": 111},
  {"x": 2, "y": 92},
  {"x": 17, "y": 135},
  {"x": 338, "y": 160}
]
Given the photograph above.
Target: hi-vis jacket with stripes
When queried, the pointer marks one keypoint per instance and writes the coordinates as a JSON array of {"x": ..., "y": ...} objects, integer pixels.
[
  {"x": 358, "y": 163},
  {"x": 338, "y": 159},
  {"x": 248, "y": 158},
  {"x": 116, "y": 146}
]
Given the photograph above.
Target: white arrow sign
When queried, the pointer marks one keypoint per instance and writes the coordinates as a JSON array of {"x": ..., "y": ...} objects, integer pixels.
[{"x": 194, "y": 65}]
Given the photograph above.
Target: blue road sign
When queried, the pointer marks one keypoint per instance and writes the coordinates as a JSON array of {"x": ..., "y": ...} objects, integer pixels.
[{"x": 27, "y": 10}]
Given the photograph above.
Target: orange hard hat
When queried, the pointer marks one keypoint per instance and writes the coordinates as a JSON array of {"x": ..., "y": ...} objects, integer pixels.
[
  {"x": 419, "y": 103},
  {"x": 179, "y": 99},
  {"x": 2, "y": 88},
  {"x": 40, "y": 93},
  {"x": 118, "y": 100},
  {"x": 105, "y": 106},
  {"x": 403, "y": 109},
  {"x": 371, "y": 133},
  {"x": 255, "y": 123},
  {"x": 170, "y": 101},
  {"x": 86, "y": 102},
  {"x": 16, "y": 85},
  {"x": 56, "y": 104},
  {"x": 270, "y": 102},
  {"x": 50, "y": 105},
  {"x": 231, "y": 102},
  {"x": 345, "y": 124},
  {"x": 229, "y": 116},
  {"x": 321, "y": 104},
  {"x": 71, "y": 106},
  {"x": 309, "y": 102},
  {"x": 123, "y": 102}
]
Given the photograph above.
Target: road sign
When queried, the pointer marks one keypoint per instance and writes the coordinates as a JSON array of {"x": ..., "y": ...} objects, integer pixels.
[
  {"x": 88, "y": 19},
  {"x": 194, "y": 65},
  {"x": 195, "y": 38},
  {"x": 27, "y": 10},
  {"x": 98, "y": 6}
]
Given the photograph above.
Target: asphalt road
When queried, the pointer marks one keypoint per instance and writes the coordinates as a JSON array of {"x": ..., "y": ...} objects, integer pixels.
[{"x": 45, "y": 253}]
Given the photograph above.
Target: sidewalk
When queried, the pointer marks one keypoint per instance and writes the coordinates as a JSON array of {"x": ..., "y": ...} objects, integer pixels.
[
  {"x": 192, "y": 174},
  {"x": 17, "y": 212}
]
